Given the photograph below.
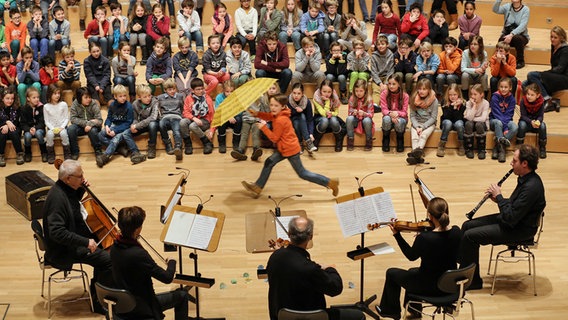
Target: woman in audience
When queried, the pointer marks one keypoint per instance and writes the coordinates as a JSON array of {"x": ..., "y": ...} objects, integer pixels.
[{"x": 515, "y": 31}]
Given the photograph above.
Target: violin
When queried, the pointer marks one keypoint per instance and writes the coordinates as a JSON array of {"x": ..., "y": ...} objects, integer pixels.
[
  {"x": 278, "y": 243},
  {"x": 99, "y": 219},
  {"x": 405, "y": 226}
]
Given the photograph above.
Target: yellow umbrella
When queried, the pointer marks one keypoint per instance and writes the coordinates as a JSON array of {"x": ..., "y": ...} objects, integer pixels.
[{"x": 241, "y": 99}]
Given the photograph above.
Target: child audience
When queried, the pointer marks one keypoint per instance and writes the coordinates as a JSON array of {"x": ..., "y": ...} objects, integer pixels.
[
  {"x": 336, "y": 69},
  {"x": 501, "y": 118},
  {"x": 394, "y": 107},
  {"x": 56, "y": 117},
  {"x": 198, "y": 111},
  {"x": 423, "y": 116},
  {"x": 476, "y": 116},
  {"x": 10, "y": 125},
  {"x": 453, "y": 108},
  {"x": 234, "y": 123},
  {"x": 360, "y": 116},
  {"x": 532, "y": 113}
]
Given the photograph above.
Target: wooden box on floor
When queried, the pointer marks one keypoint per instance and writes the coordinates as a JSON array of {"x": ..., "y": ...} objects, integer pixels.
[{"x": 26, "y": 192}]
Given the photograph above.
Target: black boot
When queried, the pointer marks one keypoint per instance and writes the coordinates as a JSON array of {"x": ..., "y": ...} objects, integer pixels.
[
  {"x": 495, "y": 151},
  {"x": 82, "y": 25},
  {"x": 145, "y": 55},
  {"x": 168, "y": 145},
  {"x": 207, "y": 145},
  {"x": 222, "y": 139},
  {"x": 50, "y": 155},
  {"x": 468, "y": 144},
  {"x": 520, "y": 141},
  {"x": 66, "y": 152},
  {"x": 369, "y": 144},
  {"x": 416, "y": 156},
  {"x": 350, "y": 143},
  {"x": 236, "y": 140},
  {"x": 542, "y": 148},
  {"x": 465, "y": 94},
  {"x": 133, "y": 51},
  {"x": 43, "y": 150},
  {"x": 188, "y": 145},
  {"x": 400, "y": 142},
  {"x": 481, "y": 141},
  {"x": 502, "y": 157},
  {"x": 339, "y": 140},
  {"x": 386, "y": 140},
  {"x": 317, "y": 138}
]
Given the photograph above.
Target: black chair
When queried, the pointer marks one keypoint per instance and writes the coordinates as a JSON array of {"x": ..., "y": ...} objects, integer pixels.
[
  {"x": 115, "y": 300},
  {"x": 60, "y": 275},
  {"x": 515, "y": 252},
  {"x": 289, "y": 314},
  {"x": 455, "y": 283}
]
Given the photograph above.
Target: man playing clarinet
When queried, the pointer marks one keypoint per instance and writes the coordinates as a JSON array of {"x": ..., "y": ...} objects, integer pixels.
[
  {"x": 518, "y": 217},
  {"x": 68, "y": 238}
]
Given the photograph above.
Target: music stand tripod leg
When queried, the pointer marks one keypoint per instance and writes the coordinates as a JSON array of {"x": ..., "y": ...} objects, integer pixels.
[{"x": 194, "y": 256}]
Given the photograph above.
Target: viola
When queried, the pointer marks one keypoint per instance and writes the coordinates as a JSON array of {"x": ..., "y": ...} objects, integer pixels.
[
  {"x": 405, "y": 226},
  {"x": 278, "y": 243},
  {"x": 99, "y": 219}
]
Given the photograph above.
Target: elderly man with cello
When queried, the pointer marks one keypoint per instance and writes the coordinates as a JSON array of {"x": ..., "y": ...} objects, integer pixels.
[{"x": 69, "y": 240}]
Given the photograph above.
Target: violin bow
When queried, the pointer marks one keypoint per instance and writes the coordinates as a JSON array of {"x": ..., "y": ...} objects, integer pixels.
[
  {"x": 278, "y": 221},
  {"x": 106, "y": 234}
]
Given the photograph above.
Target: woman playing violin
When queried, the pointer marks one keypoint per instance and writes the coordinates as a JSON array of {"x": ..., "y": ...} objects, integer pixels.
[{"x": 437, "y": 249}]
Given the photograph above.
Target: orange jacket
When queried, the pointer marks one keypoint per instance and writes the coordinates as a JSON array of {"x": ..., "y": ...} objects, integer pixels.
[
  {"x": 502, "y": 70},
  {"x": 10, "y": 26},
  {"x": 282, "y": 133},
  {"x": 451, "y": 63}
]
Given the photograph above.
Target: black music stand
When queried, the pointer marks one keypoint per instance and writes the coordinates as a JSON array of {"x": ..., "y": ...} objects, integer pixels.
[
  {"x": 360, "y": 254},
  {"x": 211, "y": 247}
]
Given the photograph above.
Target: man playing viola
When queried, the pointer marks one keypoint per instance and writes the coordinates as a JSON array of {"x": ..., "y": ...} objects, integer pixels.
[
  {"x": 518, "y": 216},
  {"x": 68, "y": 238}
]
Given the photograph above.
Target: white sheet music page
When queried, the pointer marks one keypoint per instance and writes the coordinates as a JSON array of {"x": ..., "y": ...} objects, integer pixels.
[
  {"x": 180, "y": 227},
  {"x": 366, "y": 211},
  {"x": 285, "y": 220},
  {"x": 345, "y": 212},
  {"x": 201, "y": 231},
  {"x": 384, "y": 207},
  {"x": 381, "y": 248}
]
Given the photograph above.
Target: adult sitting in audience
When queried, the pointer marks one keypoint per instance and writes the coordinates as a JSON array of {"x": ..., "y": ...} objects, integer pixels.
[{"x": 556, "y": 78}]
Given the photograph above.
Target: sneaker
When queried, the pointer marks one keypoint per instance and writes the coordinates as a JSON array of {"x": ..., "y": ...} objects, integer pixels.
[
  {"x": 257, "y": 153},
  {"x": 74, "y": 156},
  {"x": 310, "y": 146},
  {"x": 19, "y": 159},
  {"x": 28, "y": 157},
  {"x": 504, "y": 141},
  {"x": 178, "y": 153},
  {"x": 238, "y": 155},
  {"x": 252, "y": 187},
  {"x": 3, "y": 160}
]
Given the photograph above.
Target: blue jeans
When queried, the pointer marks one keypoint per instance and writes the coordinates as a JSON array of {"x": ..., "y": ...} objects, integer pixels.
[
  {"x": 363, "y": 5},
  {"x": 352, "y": 122},
  {"x": 103, "y": 42},
  {"x": 170, "y": 7},
  {"x": 152, "y": 130},
  {"x": 342, "y": 79},
  {"x": 527, "y": 127},
  {"x": 172, "y": 123},
  {"x": 296, "y": 163},
  {"x": 387, "y": 124},
  {"x": 39, "y": 135},
  {"x": 301, "y": 127},
  {"x": 295, "y": 38},
  {"x": 448, "y": 125},
  {"x": 39, "y": 46},
  {"x": 196, "y": 36},
  {"x": 129, "y": 82},
  {"x": 284, "y": 77},
  {"x": 56, "y": 45},
  {"x": 74, "y": 131},
  {"x": 534, "y": 77},
  {"x": 322, "y": 123},
  {"x": 110, "y": 142},
  {"x": 497, "y": 127}
]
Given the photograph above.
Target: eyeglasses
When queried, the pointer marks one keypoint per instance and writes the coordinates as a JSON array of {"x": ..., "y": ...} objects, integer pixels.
[
  {"x": 16, "y": 17},
  {"x": 77, "y": 176}
]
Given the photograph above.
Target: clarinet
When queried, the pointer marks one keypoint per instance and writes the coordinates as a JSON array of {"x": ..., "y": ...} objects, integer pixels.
[{"x": 470, "y": 214}]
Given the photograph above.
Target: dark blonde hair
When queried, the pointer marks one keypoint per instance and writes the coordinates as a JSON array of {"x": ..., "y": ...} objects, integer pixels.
[
  {"x": 439, "y": 209},
  {"x": 454, "y": 87},
  {"x": 480, "y": 51},
  {"x": 560, "y": 32},
  {"x": 422, "y": 83}
]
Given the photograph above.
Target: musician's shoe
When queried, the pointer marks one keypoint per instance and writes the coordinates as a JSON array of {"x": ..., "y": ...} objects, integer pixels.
[
  {"x": 413, "y": 315},
  {"x": 252, "y": 187},
  {"x": 333, "y": 184},
  {"x": 384, "y": 315},
  {"x": 475, "y": 285},
  {"x": 256, "y": 154}
]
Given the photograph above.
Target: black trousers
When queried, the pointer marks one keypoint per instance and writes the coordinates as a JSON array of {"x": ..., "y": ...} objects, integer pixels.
[
  {"x": 483, "y": 231},
  {"x": 176, "y": 299},
  {"x": 102, "y": 266}
]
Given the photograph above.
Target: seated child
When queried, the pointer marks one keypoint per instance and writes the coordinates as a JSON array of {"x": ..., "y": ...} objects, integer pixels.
[
  {"x": 190, "y": 25},
  {"x": 394, "y": 107},
  {"x": 449, "y": 70},
  {"x": 438, "y": 27},
  {"x": 146, "y": 115},
  {"x": 198, "y": 111},
  {"x": 290, "y": 27},
  {"x": 272, "y": 60},
  {"x": 222, "y": 24},
  {"x": 123, "y": 69},
  {"x": 453, "y": 107},
  {"x": 234, "y": 123},
  {"x": 332, "y": 23},
  {"x": 10, "y": 125},
  {"x": 302, "y": 116},
  {"x": 86, "y": 119},
  {"x": 239, "y": 65},
  {"x": 97, "y": 30},
  {"x": 69, "y": 71},
  {"x": 311, "y": 24},
  {"x": 48, "y": 74},
  {"x": 336, "y": 69},
  {"x": 501, "y": 118},
  {"x": 358, "y": 63},
  {"x": 476, "y": 116},
  {"x": 28, "y": 74},
  {"x": 382, "y": 66},
  {"x": 8, "y": 71},
  {"x": 159, "y": 66},
  {"x": 427, "y": 63},
  {"x": 246, "y": 21},
  {"x": 118, "y": 28},
  {"x": 270, "y": 18},
  {"x": 16, "y": 34},
  {"x": 38, "y": 29},
  {"x": 502, "y": 65},
  {"x": 171, "y": 108},
  {"x": 326, "y": 115},
  {"x": 59, "y": 31},
  {"x": 405, "y": 63},
  {"x": 184, "y": 63},
  {"x": 97, "y": 72},
  {"x": 214, "y": 64},
  {"x": 33, "y": 124},
  {"x": 360, "y": 116},
  {"x": 423, "y": 116},
  {"x": 532, "y": 113},
  {"x": 56, "y": 117},
  {"x": 308, "y": 63}
]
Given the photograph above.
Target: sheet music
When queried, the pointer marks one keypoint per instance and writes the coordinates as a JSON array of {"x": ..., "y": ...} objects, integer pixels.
[
  {"x": 190, "y": 230},
  {"x": 180, "y": 228},
  {"x": 345, "y": 212},
  {"x": 429, "y": 195},
  {"x": 355, "y": 215},
  {"x": 175, "y": 200},
  {"x": 201, "y": 231},
  {"x": 285, "y": 220},
  {"x": 381, "y": 248}
]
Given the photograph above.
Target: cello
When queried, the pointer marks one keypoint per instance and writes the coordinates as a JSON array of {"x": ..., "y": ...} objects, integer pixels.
[{"x": 99, "y": 219}]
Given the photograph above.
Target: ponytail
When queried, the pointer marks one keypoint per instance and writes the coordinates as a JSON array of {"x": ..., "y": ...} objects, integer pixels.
[{"x": 438, "y": 208}]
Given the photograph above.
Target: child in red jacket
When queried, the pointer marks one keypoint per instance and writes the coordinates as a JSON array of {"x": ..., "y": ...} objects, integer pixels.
[
  {"x": 288, "y": 147},
  {"x": 48, "y": 74}
]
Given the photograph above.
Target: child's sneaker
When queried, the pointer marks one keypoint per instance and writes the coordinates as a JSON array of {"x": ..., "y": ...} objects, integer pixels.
[
  {"x": 310, "y": 146},
  {"x": 3, "y": 161},
  {"x": 257, "y": 153}
]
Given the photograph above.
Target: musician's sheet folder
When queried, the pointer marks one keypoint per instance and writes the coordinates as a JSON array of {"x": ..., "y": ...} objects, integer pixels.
[
  {"x": 356, "y": 214},
  {"x": 190, "y": 230}
]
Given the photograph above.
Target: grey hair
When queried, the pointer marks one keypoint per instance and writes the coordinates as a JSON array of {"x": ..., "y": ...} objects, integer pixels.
[
  {"x": 300, "y": 234},
  {"x": 68, "y": 168}
]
